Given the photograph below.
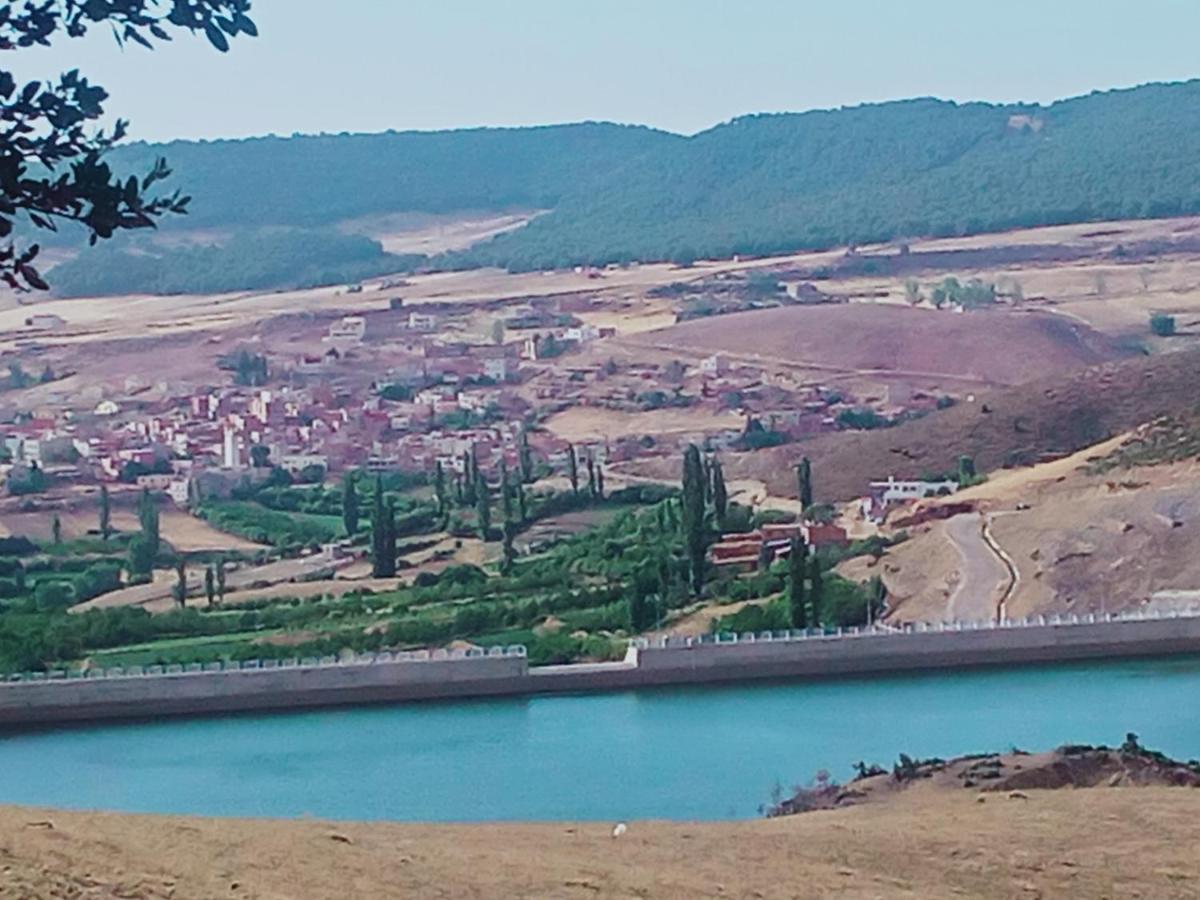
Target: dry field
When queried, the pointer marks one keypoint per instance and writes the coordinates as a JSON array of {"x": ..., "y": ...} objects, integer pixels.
[
  {"x": 594, "y": 423},
  {"x": 924, "y": 845},
  {"x": 182, "y": 531}
]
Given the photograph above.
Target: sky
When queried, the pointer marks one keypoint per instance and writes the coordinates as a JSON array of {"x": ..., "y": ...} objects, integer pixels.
[{"x": 681, "y": 65}]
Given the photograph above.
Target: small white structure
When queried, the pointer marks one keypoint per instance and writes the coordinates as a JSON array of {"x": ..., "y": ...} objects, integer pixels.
[
  {"x": 419, "y": 321},
  {"x": 348, "y": 330},
  {"x": 231, "y": 457},
  {"x": 714, "y": 365},
  {"x": 295, "y": 463},
  {"x": 45, "y": 322},
  {"x": 106, "y": 408},
  {"x": 895, "y": 491}
]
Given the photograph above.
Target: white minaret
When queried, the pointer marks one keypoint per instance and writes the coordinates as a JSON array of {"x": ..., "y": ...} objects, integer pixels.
[{"x": 230, "y": 458}]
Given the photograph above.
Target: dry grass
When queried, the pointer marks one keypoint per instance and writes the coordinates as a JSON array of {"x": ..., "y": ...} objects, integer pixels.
[
  {"x": 1093, "y": 844},
  {"x": 591, "y": 423}
]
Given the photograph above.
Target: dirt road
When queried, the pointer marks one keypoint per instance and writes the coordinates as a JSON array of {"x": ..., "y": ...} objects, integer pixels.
[{"x": 983, "y": 577}]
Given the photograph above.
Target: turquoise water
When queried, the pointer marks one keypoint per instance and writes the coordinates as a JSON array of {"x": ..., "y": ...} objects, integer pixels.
[{"x": 694, "y": 753}]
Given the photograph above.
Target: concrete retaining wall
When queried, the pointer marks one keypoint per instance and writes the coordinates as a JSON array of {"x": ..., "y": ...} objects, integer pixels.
[{"x": 507, "y": 673}]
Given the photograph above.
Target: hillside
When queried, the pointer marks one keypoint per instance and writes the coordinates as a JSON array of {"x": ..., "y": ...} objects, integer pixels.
[
  {"x": 775, "y": 183},
  {"x": 758, "y": 185},
  {"x": 929, "y": 843},
  {"x": 1002, "y": 427},
  {"x": 995, "y": 347},
  {"x": 314, "y": 180}
]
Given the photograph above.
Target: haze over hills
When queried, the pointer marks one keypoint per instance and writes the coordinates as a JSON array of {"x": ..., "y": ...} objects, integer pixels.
[{"x": 761, "y": 184}]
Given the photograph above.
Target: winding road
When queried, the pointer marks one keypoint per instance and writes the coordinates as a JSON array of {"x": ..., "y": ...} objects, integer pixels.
[{"x": 985, "y": 579}]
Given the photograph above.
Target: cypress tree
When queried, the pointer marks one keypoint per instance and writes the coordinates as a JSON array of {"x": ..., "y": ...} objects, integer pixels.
[
  {"x": 105, "y": 513},
  {"x": 816, "y": 594},
  {"x": 599, "y": 482},
  {"x": 521, "y": 502},
  {"x": 506, "y": 503},
  {"x": 797, "y": 571},
  {"x": 179, "y": 590},
  {"x": 210, "y": 586},
  {"x": 388, "y": 548},
  {"x": 439, "y": 487},
  {"x": 56, "y": 529},
  {"x": 350, "y": 511},
  {"x": 804, "y": 483},
  {"x": 221, "y": 580},
  {"x": 720, "y": 496},
  {"x": 693, "y": 515},
  {"x": 573, "y": 468},
  {"x": 525, "y": 458},
  {"x": 591, "y": 467},
  {"x": 148, "y": 517},
  {"x": 378, "y": 532},
  {"x": 470, "y": 479},
  {"x": 483, "y": 508}
]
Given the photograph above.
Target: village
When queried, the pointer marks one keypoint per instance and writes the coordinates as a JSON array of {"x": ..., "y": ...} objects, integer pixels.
[{"x": 407, "y": 390}]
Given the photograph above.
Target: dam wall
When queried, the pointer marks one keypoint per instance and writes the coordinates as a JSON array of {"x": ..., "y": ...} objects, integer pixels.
[{"x": 62, "y": 697}]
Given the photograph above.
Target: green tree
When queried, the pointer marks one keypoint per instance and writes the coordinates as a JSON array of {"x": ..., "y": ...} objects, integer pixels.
[
  {"x": 521, "y": 507},
  {"x": 210, "y": 584},
  {"x": 439, "y": 488},
  {"x": 483, "y": 507},
  {"x": 221, "y": 580},
  {"x": 56, "y": 530},
  {"x": 720, "y": 496},
  {"x": 179, "y": 590},
  {"x": 350, "y": 509},
  {"x": 1162, "y": 324},
  {"x": 148, "y": 518},
  {"x": 694, "y": 535},
  {"x": 591, "y": 470},
  {"x": 52, "y": 167},
  {"x": 876, "y": 599},
  {"x": 804, "y": 487},
  {"x": 383, "y": 533},
  {"x": 816, "y": 593},
  {"x": 105, "y": 513},
  {"x": 966, "y": 471},
  {"x": 525, "y": 457},
  {"x": 260, "y": 456},
  {"x": 573, "y": 468},
  {"x": 797, "y": 574},
  {"x": 912, "y": 291}
]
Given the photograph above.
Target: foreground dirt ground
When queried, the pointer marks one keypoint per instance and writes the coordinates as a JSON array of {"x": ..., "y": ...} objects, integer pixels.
[{"x": 1101, "y": 843}]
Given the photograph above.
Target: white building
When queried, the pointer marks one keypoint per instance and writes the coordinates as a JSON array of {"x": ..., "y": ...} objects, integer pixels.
[
  {"x": 419, "y": 321},
  {"x": 895, "y": 491},
  {"x": 231, "y": 457},
  {"x": 348, "y": 330},
  {"x": 295, "y": 463}
]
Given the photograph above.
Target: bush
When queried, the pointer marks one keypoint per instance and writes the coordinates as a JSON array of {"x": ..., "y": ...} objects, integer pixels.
[
  {"x": 1162, "y": 324},
  {"x": 54, "y": 594}
]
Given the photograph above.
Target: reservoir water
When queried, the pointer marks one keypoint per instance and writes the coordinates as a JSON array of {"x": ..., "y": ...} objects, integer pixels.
[{"x": 688, "y": 753}]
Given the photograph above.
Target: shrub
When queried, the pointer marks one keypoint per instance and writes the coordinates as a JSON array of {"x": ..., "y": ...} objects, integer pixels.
[
  {"x": 54, "y": 594},
  {"x": 1162, "y": 324}
]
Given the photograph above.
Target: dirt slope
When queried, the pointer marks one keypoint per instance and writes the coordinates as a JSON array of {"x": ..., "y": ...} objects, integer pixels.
[
  {"x": 996, "y": 347},
  {"x": 929, "y": 845},
  {"x": 1002, "y": 427}
]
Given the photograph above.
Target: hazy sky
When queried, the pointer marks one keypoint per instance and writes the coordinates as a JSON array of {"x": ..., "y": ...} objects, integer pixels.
[{"x": 684, "y": 65}]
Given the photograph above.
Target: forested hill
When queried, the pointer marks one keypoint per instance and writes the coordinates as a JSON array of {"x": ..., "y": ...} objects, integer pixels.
[
  {"x": 757, "y": 185},
  {"x": 318, "y": 180},
  {"x": 774, "y": 183}
]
